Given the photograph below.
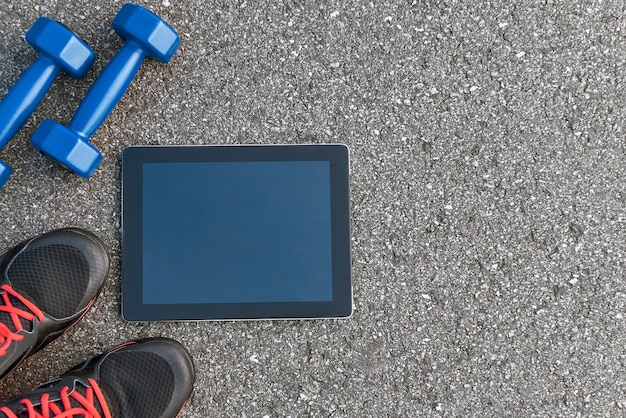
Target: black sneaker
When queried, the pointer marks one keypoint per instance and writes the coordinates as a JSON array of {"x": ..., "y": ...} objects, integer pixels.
[
  {"x": 150, "y": 378},
  {"x": 47, "y": 284}
]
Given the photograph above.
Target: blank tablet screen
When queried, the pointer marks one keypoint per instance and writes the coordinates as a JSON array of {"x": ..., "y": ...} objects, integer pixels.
[
  {"x": 273, "y": 223},
  {"x": 235, "y": 232}
]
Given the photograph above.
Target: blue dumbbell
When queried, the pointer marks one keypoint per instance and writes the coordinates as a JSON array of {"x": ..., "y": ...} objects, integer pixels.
[
  {"x": 60, "y": 50},
  {"x": 146, "y": 35}
]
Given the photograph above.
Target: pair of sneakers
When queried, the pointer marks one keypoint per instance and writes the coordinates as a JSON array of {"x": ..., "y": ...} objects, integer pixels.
[{"x": 47, "y": 284}]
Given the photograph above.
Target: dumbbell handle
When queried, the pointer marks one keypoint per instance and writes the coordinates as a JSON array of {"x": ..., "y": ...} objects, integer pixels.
[
  {"x": 107, "y": 90},
  {"x": 24, "y": 96}
]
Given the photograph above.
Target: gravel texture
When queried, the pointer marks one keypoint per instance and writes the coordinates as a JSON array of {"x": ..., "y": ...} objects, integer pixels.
[{"x": 487, "y": 184}]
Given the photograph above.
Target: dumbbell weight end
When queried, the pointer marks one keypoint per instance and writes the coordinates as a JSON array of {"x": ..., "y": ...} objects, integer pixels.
[{"x": 65, "y": 147}]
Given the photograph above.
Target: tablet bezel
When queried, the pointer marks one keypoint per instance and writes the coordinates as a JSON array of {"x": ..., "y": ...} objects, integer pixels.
[{"x": 133, "y": 158}]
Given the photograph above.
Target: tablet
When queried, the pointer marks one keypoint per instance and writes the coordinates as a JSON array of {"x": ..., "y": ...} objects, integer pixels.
[{"x": 235, "y": 232}]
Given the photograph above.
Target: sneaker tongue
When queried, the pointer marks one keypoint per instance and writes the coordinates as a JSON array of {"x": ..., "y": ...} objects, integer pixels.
[
  {"x": 21, "y": 409},
  {"x": 80, "y": 388},
  {"x": 5, "y": 317}
]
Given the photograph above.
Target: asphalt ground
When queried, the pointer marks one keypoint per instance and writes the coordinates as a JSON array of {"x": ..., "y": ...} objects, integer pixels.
[{"x": 488, "y": 197}]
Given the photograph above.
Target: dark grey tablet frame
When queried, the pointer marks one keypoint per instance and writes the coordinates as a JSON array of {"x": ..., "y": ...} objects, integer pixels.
[{"x": 133, "y": 308}]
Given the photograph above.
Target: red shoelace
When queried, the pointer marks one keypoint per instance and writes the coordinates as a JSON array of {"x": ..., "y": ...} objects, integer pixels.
[
  {"x": 16, "y": 314},
  {"x": 84, "y": 406}
]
